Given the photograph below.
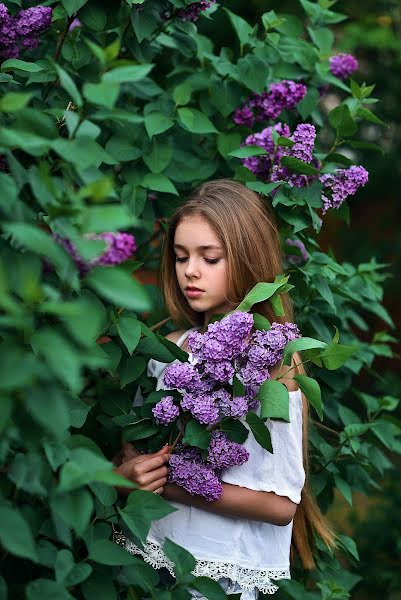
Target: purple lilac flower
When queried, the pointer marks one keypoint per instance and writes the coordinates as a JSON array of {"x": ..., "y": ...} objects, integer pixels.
[
  {"x": 342, "y": 65},
  {"x": 261, "y": 165},
  {"x": 221, "y": 371},
  {"x": 342, "y": 183},
  {"x": 181, "y": 376},
  {"x": 22, "y": 30},
  {"x": 203, "y": 407},
  {"x": 269, "y": 104},
  {"x": 75, "y": 23},
  {"x": 231, "y": 406},
  {"x": 192, "y": 12},
  {"x": 166, "y": 411},
  {"x": 304, "y": 141},
  {"x": 188, "y": 471},
  {"x": 224, "y": 453},
  {"x": 295, "y": 259},
  {"x": 251, "y": 375},
  {"x": 119, "y": 247},
  {"x": 223, "y": 340}
]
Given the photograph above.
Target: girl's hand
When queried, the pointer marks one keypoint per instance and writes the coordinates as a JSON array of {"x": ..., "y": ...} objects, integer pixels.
[{"x": 148, "y": 471}]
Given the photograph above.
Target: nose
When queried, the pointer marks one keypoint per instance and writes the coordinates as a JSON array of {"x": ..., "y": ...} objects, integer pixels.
[{"x": 192, "y": 269}]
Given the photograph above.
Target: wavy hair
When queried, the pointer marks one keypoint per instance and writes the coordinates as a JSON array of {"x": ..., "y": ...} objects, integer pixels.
[{"x": 250, "y": 237}]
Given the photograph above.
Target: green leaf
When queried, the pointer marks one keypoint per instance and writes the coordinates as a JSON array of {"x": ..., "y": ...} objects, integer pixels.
[
  {"x": 246, "y": 151},
  {"x": 259, "y": 293},
  {"x": 241, "y": 27},
  {"x": 128, "y": 73},
  {"x": 274, "y": 400},
  {"x": 110, "y": 217},
  {"x": 299, "y": 166},
  {"x": 13, "y": 101},
  {"x": 335, "y": 355},
  {"x": 159, "y": 183},
  {"x": 303, "y": 343},
  {"x": 108, "y": 553},
  {"x": 175, "y": 350},
  {"x": 36, "y": 240},
  {"x": 129, "y": 330},
  {"x": 73, "y": 6},
  {"x": 156, "y": 123},
  {"x": 367, "y": 114},
  {"x": 344, "y": 488},
  {"x": 131, "y": 369},
  {"x": 195, "y": 121},
  {"x": 48, "y": 406},
  {"x": 154, "y": 348},
  {"x": 118, "y": 287},
  {"x": 75, "y": 508},
  {"x": 159, "y": 156},
  {"x": 142, "y": 575},
  {"x": 141, "y": 509},
  {"x": 260, "y": 431},
  {"x": 196, "y": 435},
  {"x": 15, "y": 534},
  {"x": 263, "y": 188},
  {"x": 46, "y": 589},
  {"x": 208, "y": 588},
  {"x": 238, "y": 387},
  {"x": 21, "y": 65},
  {"x": 260, "y": 322},
  {"x": 182, "y": 93},
  {"x": 183, "y": 560},
  {"x": 139, "y": 431},
  {"x": 340, "y": 118},
  {"x": 234, "y": 429},
  {"x": 69, "y": 85},
  {"x": 104, "y": 93},
  {"x": 311, "y": 389}
]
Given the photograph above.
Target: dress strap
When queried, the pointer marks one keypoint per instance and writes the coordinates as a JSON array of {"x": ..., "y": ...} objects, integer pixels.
[{"x": 184, "y": 336}]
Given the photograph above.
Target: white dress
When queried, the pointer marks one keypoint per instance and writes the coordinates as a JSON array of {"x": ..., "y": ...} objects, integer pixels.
[{"x": 244, "y": 555}]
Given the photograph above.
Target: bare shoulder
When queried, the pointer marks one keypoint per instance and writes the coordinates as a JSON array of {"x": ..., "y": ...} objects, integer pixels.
[
  {"x": 288, "y": 379},
  {"x": 174, "y": 336}
]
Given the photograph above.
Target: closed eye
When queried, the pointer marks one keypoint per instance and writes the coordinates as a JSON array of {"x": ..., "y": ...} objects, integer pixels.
[{"x": 210, "y": 261}]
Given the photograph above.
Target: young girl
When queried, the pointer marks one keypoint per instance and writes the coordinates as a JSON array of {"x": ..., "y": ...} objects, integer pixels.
[{"x": 219, "y": 244}]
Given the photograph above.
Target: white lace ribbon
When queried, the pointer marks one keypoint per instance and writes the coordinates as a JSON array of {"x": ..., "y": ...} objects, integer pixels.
[{"x": 248, "y": 579}]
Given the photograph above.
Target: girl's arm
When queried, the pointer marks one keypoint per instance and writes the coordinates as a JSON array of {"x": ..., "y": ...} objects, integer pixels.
[{"x": 240, "y": 502}]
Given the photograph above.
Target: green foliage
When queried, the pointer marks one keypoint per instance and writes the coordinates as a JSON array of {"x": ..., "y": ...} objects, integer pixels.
[{"x": 102, "y": 128}]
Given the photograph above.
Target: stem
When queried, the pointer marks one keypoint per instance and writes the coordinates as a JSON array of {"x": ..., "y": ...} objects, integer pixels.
[
  {"x": 179, "y": 434},
  {"x": 292, "y": 368},
  {"x": 57, "y": 54},
  {"x": 325, "y": 428}
]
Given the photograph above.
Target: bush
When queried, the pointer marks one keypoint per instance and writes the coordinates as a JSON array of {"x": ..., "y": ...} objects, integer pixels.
[{"x": 109, "y": 115}]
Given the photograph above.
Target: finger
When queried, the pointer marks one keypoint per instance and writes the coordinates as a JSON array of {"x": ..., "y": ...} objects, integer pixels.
[
  {"x": 149, "y": 464},
  {"x": 156, "y": 484},
  {"x": 159, "y": 491},
  {"x": 154, "y": 475},
  {"x": 164, "y": 450},
  {"x": 129, "y": 451}
]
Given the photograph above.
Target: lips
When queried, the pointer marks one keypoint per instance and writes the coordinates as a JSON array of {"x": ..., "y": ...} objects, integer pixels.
[{"x": 191, "y": 288}]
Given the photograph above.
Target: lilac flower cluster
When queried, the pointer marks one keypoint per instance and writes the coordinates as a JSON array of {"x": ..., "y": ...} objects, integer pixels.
[
  {"x": 262, "y": 165},
  {"x": 265, "y": 350},
  {"x": 343, "y": 65},
  {"x": 165, "y": 411},
  {"x": 22, "y": 30},
  {"x": 224, "y": 453},
  {"x": 259, "y": 107},
  {"x": 342, "y": 183},
  {"x": 226, "y": 349},
  {"x": 304, "y": 141},
  {"x": 119, "y": 248},
  {"x": 192, "y": 12},
  {"x": 189, "y": 471}
]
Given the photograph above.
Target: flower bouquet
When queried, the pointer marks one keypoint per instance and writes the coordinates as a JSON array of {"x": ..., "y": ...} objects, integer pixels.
[{"x": 224, "y": 390}]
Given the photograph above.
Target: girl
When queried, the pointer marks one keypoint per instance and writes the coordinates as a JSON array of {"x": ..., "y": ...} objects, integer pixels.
[{"x": 219, "y": 244}]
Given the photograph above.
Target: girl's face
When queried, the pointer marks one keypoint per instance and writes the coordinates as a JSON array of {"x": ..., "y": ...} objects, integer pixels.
[{"x": 201, "y": 266}]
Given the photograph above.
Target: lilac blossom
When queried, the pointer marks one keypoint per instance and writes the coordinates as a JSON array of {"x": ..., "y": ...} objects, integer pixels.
[
  {"x": 23, "y": 29},
  {"x": 165, "y": 411},
  {"x": 269, "y": 104},
  {"x": 342, "y": 183},
  {"x": 119, "y": 247},
  {"x": 304, "y": 140},
  {"x": 224, "y": 453},
  {"x": 203, "y": 407},
  {"x": 231, "y": 406},
  {"x": 295, "y": 259},
  {"x": 189, "y": 472},
  {"x": 343, "y": 65},
  {"x": 75, "y": 23},
  {"x": 262, "y": 165},
  {"x": 192, "y": 12},
  {"x": 182, "y": 376}
]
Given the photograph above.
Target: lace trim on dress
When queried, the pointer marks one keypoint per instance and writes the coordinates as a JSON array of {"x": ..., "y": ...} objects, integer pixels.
[{"x": 153, "y": 554}]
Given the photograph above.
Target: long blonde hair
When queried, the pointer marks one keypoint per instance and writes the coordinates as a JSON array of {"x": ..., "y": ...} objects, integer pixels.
[{"x": 251, "y": 240}]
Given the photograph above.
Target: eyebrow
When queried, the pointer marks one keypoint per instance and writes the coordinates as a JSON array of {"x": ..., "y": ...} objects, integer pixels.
[{"x": 207, "y": 247}]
